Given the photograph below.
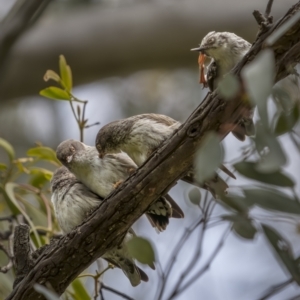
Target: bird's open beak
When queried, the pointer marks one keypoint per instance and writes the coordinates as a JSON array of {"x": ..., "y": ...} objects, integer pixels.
[{"x": 199, "y": 49}]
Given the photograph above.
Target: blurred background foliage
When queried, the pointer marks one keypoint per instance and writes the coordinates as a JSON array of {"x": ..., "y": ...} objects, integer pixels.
[{"x": 130, "y": 57}]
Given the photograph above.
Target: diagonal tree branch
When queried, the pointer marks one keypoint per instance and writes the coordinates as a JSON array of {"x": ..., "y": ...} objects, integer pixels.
[{"x": 68, "y": 256}]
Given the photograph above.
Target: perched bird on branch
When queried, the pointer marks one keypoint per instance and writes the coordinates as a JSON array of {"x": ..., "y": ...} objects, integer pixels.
[
  {"x": 219, "y": 52},
  {"x": 139, "y": 136},
  {"x": 72, "y": 202},
  {"x": 103, "y": 175}
]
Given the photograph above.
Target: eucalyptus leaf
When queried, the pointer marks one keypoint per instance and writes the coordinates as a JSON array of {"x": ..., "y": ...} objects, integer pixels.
[
  {"x": 3, "y": 167},
  {"x": 271, "y": 199},
  {"x": 282, "y": 97},
  {"x": 44, "y": 153},
  {"x": 51, "y": 75},
  {"x": 49, "y": 295},
  {"x": 9, "y": 189},
  {"x": 208, "y": 157},
  {"x": 242, "y": 225},
  {"x": 55, "y": 93},
  {"x": 195, "y": 196},
  {"x": 236, "y": 203},
  {"x": 141, "y": 249},
  {"x": 268, "y": 147},
  {"x": 80, "y": 292},
  {"x": 229, "y": 86},
  {"x": 65, "y": 73},
  {"x": 287, "y": 121},
  {"x": 259, "y": 79},
  {"x": 283, "y": 250},
  {"x": 8, "y": 148},
  {"x": 249, "y": 169}
]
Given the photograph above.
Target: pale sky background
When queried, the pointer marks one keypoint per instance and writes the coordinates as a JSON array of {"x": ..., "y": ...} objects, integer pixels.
[{"x": 243, "y": 269}]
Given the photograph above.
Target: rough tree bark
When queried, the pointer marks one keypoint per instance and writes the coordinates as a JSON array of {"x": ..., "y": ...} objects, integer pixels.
[{"x": 61, "y": 261}]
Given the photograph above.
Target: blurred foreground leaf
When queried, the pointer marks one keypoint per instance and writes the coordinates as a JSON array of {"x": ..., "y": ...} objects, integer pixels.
[
  {"x": 209, "y": 157},
  {"x": 287, "y": 121},
  {"x": 49, "y": 295},
  {"x": 44, "y": 153},
  {"x": 249, "y": 169},
  {"x": 242, "y": 226},
  {"x": 271, "y": 199},
  {"x": 259, "y": 80},
  {"x": 195, "y": 196},
  {"x": 8, "y": 148},
  {"x": 80, "y": 292},
  {"x": 283, "y": 250},
  {"x": 269, "y": 149},
  {"x": 141, "y": 249}
]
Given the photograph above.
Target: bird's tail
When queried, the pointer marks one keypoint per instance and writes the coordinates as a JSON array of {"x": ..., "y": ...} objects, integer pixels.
[
  {"x": 161, "y": 210},
  {"x": 120, "y": 257}
]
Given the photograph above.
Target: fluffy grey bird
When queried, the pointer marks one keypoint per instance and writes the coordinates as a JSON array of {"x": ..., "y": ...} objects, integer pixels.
[
  {"x": 103, "y": 175},
  {"x": 72, "y": 202},
  {"x": 219, "y": 52},
  {"x": 139, "y": 136}
]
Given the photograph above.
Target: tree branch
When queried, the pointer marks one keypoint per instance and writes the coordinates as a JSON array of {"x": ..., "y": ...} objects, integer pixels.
[{"x": 62, "y": 261}]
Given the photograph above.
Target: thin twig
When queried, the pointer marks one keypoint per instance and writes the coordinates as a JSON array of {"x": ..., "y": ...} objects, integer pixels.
[
  {"x": 105, "y": 287},
  {"x": 276, "y": 289},
  {"x": 6, "y": 268},
  {"x": 204, "y": 268},
  {"x": 268, "y": 8}
]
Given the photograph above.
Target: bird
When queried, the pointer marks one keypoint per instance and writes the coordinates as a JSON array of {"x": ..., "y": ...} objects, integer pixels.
[
  {"x": 219, "y": 52},
  {"x": 140, "y": 135},
  {"x": 72, "y": 202},
  {"x": 104, "y": 175}
]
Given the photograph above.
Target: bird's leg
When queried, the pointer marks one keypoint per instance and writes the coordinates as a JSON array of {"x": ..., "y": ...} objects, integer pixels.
[{"x": 118, "y": 183}]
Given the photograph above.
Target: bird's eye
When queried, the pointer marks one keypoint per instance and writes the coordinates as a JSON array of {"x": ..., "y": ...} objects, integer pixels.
[
  {"x": 211, "y": 40},
  {"x": 72, "y": 149}
]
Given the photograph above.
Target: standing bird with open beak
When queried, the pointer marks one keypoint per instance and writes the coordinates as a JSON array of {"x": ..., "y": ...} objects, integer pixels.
[
  {"x": 103, "y": 175},
  {"x": 219, "y": 52},
  {"x": 72, "y": 202},
  {"x": 139, "y": 136}
]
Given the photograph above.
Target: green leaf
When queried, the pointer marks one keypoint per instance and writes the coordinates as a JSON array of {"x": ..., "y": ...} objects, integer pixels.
[
  {"x": 65, "y": 73},
  {"x": 3, "y": 167},
  {"x": 195, "y": 196},
  {"x": 44, "y": 153},
  {"x": 287, "y": 121},
  {"x": 141, "y": 249},
  {"x": 8, "y": 148},
  {"x": 55, "y": 93},
  {"x": 228, "y": 86},
  {"x": 249, "y": 169},
  {"x": 242, "y": 226},
  {"x": 80, "y": 292},
  {"x": 283, "y": 250},
  {"x": 9, "y": 189},
  {"x": 49, "y": 295},
  {"x": 281, "y": 30},
  {"x": 39, "y": 176},
  {"x": 234, "y": 202},
  {"x": 271, "y": 199},
  {"x": 282, "y": 98},
  {"x": 51, "y": 75},
  {"x": 208, "y": 157},
  {"x": 259, "y": 79},
  {"x": 268, "y": 147}
]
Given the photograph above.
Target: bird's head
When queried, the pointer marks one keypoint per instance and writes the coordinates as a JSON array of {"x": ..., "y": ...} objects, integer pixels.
[
  {"x": 67, "y": 151},
  {"x": 220, "y": 45}
]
